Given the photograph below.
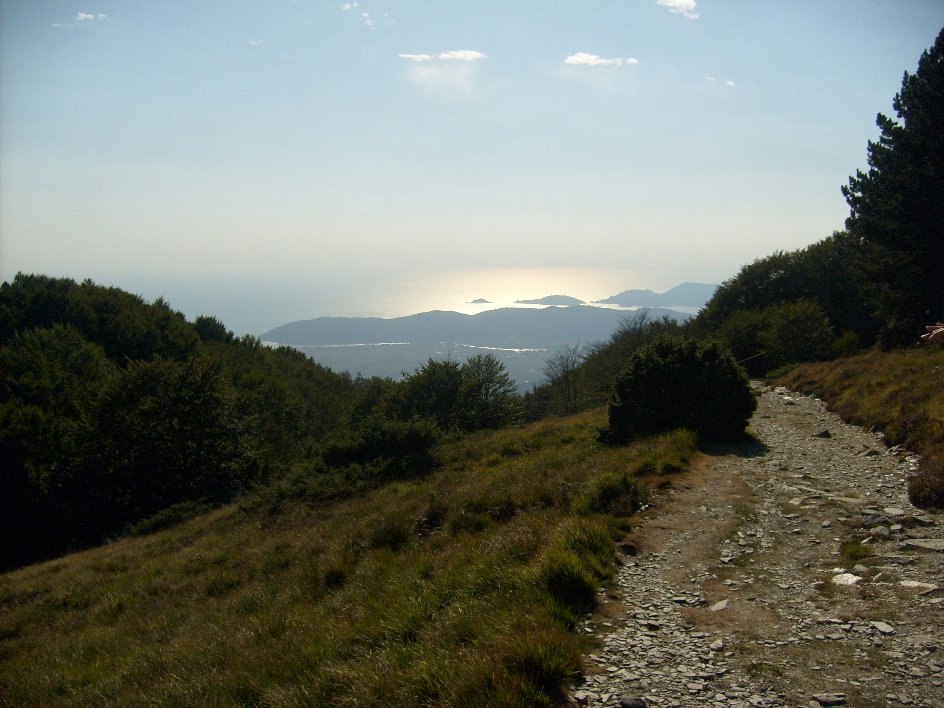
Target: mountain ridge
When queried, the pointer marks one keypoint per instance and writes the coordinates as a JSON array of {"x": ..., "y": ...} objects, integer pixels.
[
  {"x": 501, "y": 327},
  {"x": 682, "y": 295}
]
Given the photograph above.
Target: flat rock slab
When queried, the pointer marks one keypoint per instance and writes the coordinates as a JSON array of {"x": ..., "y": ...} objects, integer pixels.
[{"x": 929, "y": 544}]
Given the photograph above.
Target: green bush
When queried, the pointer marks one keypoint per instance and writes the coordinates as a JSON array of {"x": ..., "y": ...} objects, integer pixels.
[
  {"x": 680, "y": 383},
  {"x": 796, "y": 331},
  {"x": 387, "y": 447}
]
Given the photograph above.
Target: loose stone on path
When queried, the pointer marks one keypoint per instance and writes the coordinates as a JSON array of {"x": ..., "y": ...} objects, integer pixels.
[{"x": 791, "y": 621}]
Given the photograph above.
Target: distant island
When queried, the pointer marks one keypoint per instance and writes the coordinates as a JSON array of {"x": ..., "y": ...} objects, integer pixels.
[
  {"x": 553, "y": 301},
  {"x": 691, "y": 295},
  {"x": 480, "y": 301}
]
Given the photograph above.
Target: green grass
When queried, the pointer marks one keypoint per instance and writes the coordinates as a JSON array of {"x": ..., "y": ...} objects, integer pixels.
[
  {"x": 460, "y": 588},
  {"x": 900, "y": 393},
  {"x": 853, "y": 552}
]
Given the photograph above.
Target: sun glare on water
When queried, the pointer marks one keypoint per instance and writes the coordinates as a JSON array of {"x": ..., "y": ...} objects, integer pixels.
[{"x": 473, "y": 291}]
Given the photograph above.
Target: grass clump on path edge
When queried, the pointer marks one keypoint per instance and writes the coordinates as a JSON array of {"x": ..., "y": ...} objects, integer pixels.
[
  {"x": 900, "y": 393},
  {"x": 460, "y": 588}
]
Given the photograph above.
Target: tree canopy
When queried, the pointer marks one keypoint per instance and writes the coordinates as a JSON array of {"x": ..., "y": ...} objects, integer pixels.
[{"x": 896, "y": 207}]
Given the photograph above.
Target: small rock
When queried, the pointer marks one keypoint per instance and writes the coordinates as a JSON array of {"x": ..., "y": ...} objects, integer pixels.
[
  {"x": 823, "y": 434},
  {"x": 845, "y": 579},
  {"x": 883, "y": 627},
  {"x": 632, "y": 702},
  {"x": 718, "y": 606},
  {"x": 873, "y": 520},
  {"x": 830, "y": 699},
  {"x": 881, "y": 532},
  {"x": 925, "y": 588},
  {"x": 717, "y": 645}
]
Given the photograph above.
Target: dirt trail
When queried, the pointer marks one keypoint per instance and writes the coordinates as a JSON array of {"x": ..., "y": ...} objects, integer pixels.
[{"x": 740, "y": 594}]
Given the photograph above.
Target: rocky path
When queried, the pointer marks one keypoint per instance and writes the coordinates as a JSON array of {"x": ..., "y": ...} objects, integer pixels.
[{"x": 793, "y": 572}]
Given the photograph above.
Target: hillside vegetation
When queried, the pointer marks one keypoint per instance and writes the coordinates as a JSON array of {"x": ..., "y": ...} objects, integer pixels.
[
  {"x": 899, "y": 393},
  {"x": 459, "y": 588}
]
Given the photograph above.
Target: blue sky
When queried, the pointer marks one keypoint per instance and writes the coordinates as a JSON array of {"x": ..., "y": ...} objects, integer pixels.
[{"x": 268, "y": 160}]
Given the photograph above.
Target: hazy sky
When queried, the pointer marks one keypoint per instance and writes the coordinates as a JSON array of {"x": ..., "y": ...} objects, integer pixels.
[{"x": 267, "y": 160}]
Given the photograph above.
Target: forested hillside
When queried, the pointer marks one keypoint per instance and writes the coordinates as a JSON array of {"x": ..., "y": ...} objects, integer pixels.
[{"x": 113, "y": 409}]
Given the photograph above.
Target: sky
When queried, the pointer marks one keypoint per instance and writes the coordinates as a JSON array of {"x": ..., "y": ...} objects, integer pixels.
[{"x": 272, "y": 160}]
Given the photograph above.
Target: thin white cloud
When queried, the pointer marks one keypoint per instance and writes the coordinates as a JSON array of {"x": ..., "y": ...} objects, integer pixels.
[
  {"x": 255, "y": 42},
  {"x": 349, "y": 6},
  {"x": 462, "y": 55},
  {"x": 685, "y": 8},
  {"x": 80, "y": 19},
  {"x": 452, "y": 73},
  {"x": 714, "y": 79},
  {"x": 584, "y": 59}
]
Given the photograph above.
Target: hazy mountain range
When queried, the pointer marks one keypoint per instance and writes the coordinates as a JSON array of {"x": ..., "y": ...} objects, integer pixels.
[
  {"x": 688, "y": 295},
  {"x": 510, "y": 327},
  {"x": 522, "y": 337}
]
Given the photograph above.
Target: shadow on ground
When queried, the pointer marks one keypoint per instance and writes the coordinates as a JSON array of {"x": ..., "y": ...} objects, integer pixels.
[{"x": 747, "y": 445}]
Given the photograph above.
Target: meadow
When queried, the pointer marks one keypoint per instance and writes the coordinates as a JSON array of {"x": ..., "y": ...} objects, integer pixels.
[{"x": 458, "y": 588}]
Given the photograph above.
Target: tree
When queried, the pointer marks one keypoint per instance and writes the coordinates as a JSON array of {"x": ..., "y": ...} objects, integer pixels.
[
  {"x": 433, "y": 391},
  {"x": 49, "y": 380},
  {"x": 792, "y": 332},
  {"x": 163, "y": 432},
  {"x": 211, "y": 329},
  {"x": 562, "y": 372},
  {"x": 489, "y": 396},
  {"x": 896, "y": 213}
]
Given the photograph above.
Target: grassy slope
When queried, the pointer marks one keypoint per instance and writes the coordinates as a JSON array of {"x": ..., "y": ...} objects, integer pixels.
[
  {"x": 900, "y": 393},
  {"x": 458, "y": 589}
]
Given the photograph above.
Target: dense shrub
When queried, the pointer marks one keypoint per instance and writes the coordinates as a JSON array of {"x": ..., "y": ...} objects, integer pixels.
[
  {"x": 680, "y": 383},
  {"x": 794, "y": 332},
  {"x": 385, "y": 447},
  {"x": 785, "y": 333}
]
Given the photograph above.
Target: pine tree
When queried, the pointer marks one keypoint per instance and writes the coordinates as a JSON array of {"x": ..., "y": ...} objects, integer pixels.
[{"x": 897, "y": 208}]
